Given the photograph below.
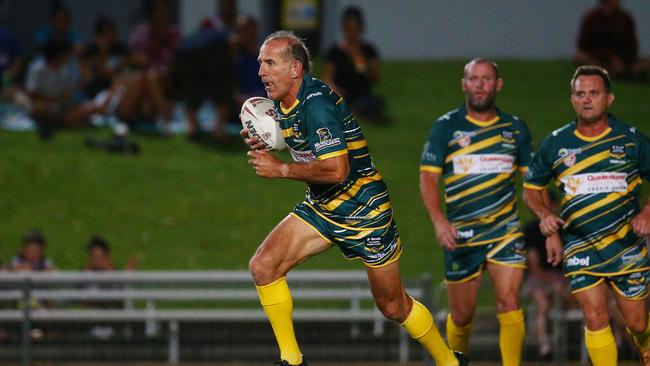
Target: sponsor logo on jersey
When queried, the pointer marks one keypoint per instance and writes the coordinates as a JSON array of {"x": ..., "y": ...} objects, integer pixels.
[
  {"x": 589, "y": 183},
  {"x": 325, "y": 138},
  {"x": 374, "y": 244},
  {"x": 483, "y": 163},
  {"x": 569, "y": 156},
  {"x": 617, "y": 152},
  {"x": 466, "y": 234},
  {"x": 302, "y": 156},
  {"x": 313, "y": 95},
  {"x": 575, "y": 261}
]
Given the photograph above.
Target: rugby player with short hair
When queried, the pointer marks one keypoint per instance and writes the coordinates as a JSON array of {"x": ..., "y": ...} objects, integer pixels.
[
  {"x": 347, "y": 202},
  {"x": 597, "y": 162},
  {"x": 476, "y": 150}
]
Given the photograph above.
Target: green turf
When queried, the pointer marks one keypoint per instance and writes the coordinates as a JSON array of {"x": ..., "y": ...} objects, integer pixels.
[{"x": 181, "y": 205}]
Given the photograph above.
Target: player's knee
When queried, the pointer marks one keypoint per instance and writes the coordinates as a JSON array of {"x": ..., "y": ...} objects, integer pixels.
[
  {"x": 393, "y": 308},
  {"x": 506, "y": 305},
  {"x": 596, "y": 318},
  {"x": 259, "y": 268},
  {"x": 637, "y": 323},
  {"x": 462, "y": 317}
]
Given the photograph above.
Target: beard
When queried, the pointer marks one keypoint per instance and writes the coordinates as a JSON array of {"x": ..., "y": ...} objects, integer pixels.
[{"x": 484, "y": 105}]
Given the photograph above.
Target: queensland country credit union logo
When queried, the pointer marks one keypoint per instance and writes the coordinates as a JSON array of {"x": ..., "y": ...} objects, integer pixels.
[
  {"x": 572, "y": 184},
  {"x": 465, "y": 163}
]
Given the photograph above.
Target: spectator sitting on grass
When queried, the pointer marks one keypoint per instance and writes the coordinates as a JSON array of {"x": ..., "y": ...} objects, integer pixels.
[
  {"x": 31, "y": 256},
  {"x": 53, "y": 86}
]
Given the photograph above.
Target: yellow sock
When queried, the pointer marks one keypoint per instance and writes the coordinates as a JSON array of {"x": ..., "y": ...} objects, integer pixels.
[
  {"x": 278, "y": 305},
  {"x": 511, "y": 336},
  {"x": 601, "y": 347},
  {"x": 458, "y": 337},
  {"x": 419, "y": 324},
  {"x": 642, "y": 340}
]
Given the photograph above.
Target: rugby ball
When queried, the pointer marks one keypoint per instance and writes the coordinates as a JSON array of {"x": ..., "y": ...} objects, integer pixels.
[{"x": 258, "y": 115}]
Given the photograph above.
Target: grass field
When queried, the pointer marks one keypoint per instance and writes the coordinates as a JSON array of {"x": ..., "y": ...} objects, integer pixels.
[{"x": 181, "y": 205}]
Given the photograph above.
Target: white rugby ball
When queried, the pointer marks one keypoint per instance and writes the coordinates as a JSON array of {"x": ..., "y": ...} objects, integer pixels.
[{"x": 258, "y": 115}]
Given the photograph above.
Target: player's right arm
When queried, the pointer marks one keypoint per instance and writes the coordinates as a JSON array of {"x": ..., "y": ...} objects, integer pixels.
[
  {"x": 327, "y": 171},
  {"x": 430, "y": 190},
  {"x": 431, "y": 168},
  {"x": 537, "y": 177}
]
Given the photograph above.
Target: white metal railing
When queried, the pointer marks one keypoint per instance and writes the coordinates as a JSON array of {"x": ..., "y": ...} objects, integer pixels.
[{"x": 154, "y": 287}]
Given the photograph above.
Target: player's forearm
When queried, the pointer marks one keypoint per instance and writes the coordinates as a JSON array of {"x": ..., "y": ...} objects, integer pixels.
[
  {"x": 537, "y": 202},
  {"x": 430, "y": 191},
  {"x": 319, "y": 172}
]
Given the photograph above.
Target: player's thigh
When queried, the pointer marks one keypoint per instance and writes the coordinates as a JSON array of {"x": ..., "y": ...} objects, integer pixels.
[
  {"x": 291, "y": 242},
  {"x": 631, "y": 291},
  {"x": 506, "y": 282},
  {"x": 593, "y": 301},
  {"x": 463, "y": 297}
]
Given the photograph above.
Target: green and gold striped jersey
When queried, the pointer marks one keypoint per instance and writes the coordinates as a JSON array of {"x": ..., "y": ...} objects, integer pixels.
[
  {"x": 599, "y": 179},
  {"x": 319, "y": 125},
  {"x": 478, "y": 161}
]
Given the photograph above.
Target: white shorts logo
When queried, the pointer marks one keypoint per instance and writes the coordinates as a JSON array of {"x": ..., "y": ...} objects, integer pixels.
[
  {"x": 595, "y": 183},
  {"x": 483, "y": 163}
]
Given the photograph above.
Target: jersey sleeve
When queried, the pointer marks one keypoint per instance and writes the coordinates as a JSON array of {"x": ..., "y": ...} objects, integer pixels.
[
  {"x": 435, "y": 149},
  {"x": 644, "y": 156},
  {"x": 540, "y": 170},
  {"x": 525, "y": 148},
  {"x": 324, "y": 129}
]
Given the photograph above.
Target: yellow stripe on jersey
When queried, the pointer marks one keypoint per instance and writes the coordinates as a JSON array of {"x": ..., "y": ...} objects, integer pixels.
[
  {"x": 509, "y": 239},
  {"x": 479, "y": 243},
  {"x": 488, "y": 217},
  {"x": 602, "y": 242},
  {"x": 482, "y": 130},
  {"x": 456, "y": 177},
  {"x": 333, "y": 154},
  {"x": 584, "y": 164},
  {"x": 590, "y": 146},
  {"x": 356, "y": 145},
  {"x": 600, "y": 203},
  {"x": 533, "y": 186},
  {"x": 339, "y": 101},
  {"x": 346, "y": 226},
  {"x": 370, "y": 201},
  {"x": 431, "y": 169},
  {"x": 287, "y": 132},
  {"x": 351, "y": 192},
  {"x": 498, "y": 179},
  {"x": 361, "y": 156},
  {"x": 474, "y": 147},
  {"x": 605, "y": 213}
]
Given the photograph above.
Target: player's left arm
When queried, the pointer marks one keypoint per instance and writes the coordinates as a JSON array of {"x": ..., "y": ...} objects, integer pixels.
[
  {"x": 641, "y": 222},
  {"x": 326, "y": 171}
]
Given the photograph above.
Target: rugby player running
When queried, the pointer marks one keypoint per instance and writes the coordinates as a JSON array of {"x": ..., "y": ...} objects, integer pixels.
[{"x": 347, "y": 202}]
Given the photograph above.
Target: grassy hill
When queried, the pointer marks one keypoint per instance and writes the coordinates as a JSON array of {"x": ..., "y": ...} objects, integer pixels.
[{"x": 181, "y": 205}]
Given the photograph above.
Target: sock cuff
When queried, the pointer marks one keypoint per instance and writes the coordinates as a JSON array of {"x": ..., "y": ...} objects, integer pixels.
[
  {"x": 511, "y": 317},
  {"x": 465, "y": 329},
  {"x": 275, "y": 292},
  {"x": 599, "y": 338},
  {"x": 419, "y": 322}
]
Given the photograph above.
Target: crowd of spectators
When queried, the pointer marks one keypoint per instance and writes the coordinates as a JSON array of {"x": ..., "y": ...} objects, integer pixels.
[{"x": 136, "y": 81}]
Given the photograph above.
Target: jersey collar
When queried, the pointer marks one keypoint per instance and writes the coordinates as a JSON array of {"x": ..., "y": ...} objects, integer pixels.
[
  {"x": 594, "y": 138},
  {"x": 481, "y": 123},
  {"x": 303, "y": 86}
]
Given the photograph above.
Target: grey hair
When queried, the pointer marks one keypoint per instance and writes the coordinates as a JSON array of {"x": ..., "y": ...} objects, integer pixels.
[
  {"x": 481, "y": 60},
  {"x": 297, "y": 48}
]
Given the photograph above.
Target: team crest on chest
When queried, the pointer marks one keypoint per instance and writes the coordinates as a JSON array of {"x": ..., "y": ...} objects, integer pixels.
[
  {"x": 464, "y": 138},
  {"x": 568, "y": 156},
  {"x": 617, "y": 152}
]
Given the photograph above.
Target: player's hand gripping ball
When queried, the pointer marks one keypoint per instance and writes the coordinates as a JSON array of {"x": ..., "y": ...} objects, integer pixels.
[{"x": 259, "y": 117}]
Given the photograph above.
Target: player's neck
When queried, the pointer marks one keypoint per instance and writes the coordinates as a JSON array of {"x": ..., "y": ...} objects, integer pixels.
[
  {"x": 289, "y": 101},
  {"x": 482, "y": 116},
  {"x": 592, "y": 128}
]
